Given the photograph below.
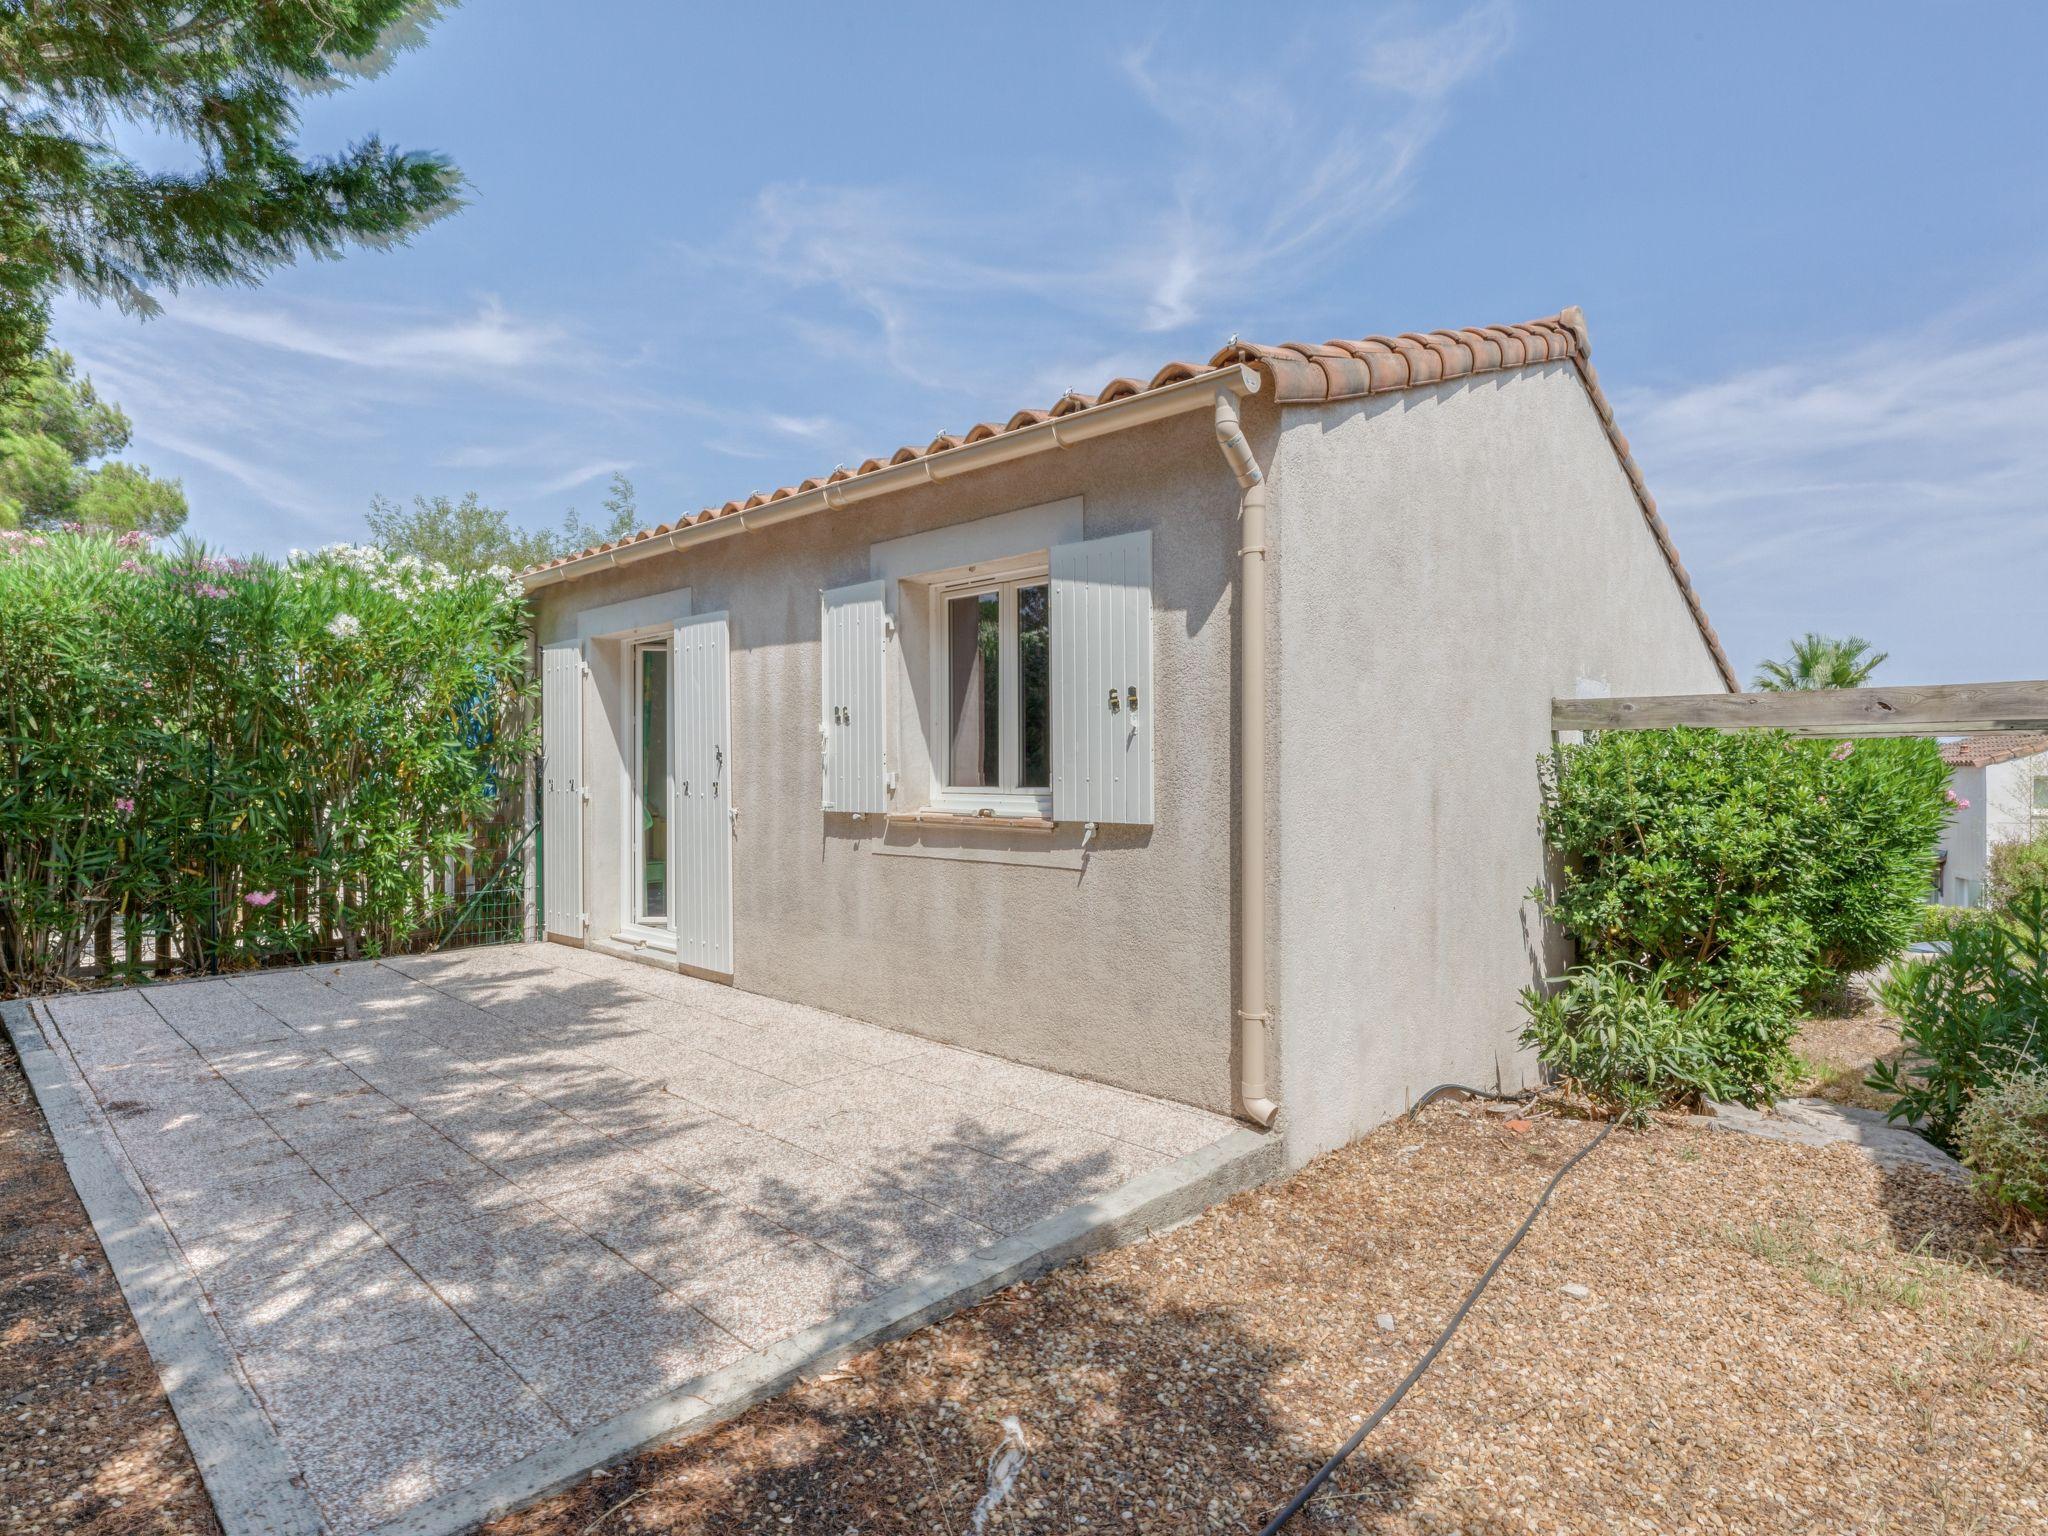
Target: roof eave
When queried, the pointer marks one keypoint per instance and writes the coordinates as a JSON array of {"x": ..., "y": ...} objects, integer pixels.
[{"x": 1079, "y": 426}]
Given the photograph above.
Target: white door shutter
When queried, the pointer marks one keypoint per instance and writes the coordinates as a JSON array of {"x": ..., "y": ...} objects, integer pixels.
[
  {"x": 561, "y": 807},
  {"x": 702, "y": 826},
  {"x": 1102, "y": 680},
  {"x": 852, "y": 721}
]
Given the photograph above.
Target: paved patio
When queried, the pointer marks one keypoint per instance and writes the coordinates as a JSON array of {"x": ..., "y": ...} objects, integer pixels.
[{"x": 450, "y": 1212}]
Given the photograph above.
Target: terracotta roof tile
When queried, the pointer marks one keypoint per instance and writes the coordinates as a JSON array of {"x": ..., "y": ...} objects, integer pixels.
[
  {"x": 1989, "y": 748},
  {"x": 1300, "y": 373}
]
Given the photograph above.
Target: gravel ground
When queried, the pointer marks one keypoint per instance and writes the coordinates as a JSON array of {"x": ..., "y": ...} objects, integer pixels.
[
  {"x": 87, "y": 1441},
  {"x": 1770, "y": 1338},
  {"x": 1839, "y": 1052}
]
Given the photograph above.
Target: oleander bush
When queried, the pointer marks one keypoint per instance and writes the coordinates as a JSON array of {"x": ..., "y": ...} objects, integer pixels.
[
  {"x": 1613, "y": 1032},
  {"x": 1744, "y": 866},
  {"x": 2018, "y": 868},
  {"x": 226, "y": 760},
  {"x": 1968, "y": 1016},
  {"x": 2002, "y": 1137}
]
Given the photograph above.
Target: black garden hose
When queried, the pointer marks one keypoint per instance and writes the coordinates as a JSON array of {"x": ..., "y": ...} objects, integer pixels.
[{"x": 1393, "y": 1399}]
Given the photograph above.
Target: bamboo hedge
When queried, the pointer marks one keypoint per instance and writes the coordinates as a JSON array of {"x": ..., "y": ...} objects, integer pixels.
[{"x": 206, "y": 763}]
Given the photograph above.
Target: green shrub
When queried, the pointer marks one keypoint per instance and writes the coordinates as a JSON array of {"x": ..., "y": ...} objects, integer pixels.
[
  {"x": 1743, "y": 865},
  {"x": 1967, "y": 1016},
  {"x": 1612, "y": 1032},
  {"x": 242, "y": 758},
  {"x": 2017, "y": 869},
  {"x": 2003, "y": 1137},
  {"x": 1938, "y": 922}
]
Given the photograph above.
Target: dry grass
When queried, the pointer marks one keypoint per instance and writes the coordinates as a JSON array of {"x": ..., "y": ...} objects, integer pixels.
[{"x": 1838, "y": 1053}]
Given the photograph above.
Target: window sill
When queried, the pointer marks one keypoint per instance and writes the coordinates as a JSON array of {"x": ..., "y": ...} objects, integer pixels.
[
  {"x": 970, "y": 819},
  {"x": 658, "y": 939}
]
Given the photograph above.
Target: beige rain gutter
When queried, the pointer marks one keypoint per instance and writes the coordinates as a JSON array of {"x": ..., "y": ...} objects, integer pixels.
[
  {"x": 1255, "y": 1089},
  {"x": 1061, "y": 432}
]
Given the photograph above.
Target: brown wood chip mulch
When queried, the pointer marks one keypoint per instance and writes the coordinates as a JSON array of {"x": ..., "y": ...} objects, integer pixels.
[
  {"x": 1770, "y": 1339},
  {"x": 87, "y": 1440}
]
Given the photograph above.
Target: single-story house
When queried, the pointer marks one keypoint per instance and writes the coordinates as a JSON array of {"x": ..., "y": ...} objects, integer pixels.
[
  {"x": 2000, "y": 783},
  {"x": 1182, "y": 736}
]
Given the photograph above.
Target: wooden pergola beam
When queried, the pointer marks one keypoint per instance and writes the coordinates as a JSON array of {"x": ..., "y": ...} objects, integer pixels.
[{"x": 1939, "y": 709}]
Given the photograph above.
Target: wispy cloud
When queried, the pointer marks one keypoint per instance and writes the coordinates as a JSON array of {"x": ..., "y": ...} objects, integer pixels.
[
  {"x": 1883, "y": 475},
  {"x": 1260, "y": 173},
  {"x": 489, "y": 341},
  {"x": 583, "y": 474}
]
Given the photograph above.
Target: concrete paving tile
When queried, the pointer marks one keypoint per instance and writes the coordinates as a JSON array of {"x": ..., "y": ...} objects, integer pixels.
[
  {"x": 763, "y": 1297},
  {"x": 87, "y": 1011},
  {"x": 1019, "y": 1136},
  {"x": 430, "y": 1205},
  {"x": 1174, "y": 1129},
  {"x": 228, "y": 1149},
  {"x": 720, "y": 1154},
  {"x": 379, "y": 1430},
  {"x": 508, "y": 1267},
  {"x": 184, "y": 1084},
  {"x": 334, "y": 1307},
  {"x": 730, "y": 1089},
  {"x": 982, "y": 1077},
  {"x": 502, "y": 1130},
  {"x": 245, "y": 1253},
  {"x": 1022, "y": 1200},
  {"x": 364, "y": 1171},
  {"x": 667, "y": 1227},
  {"x": 590, "y": 1367},
  {"x": 894, "y": 1236},
  {"x": 196, "y": 1204},
  {"x": 908, "y": 1101},
  {"x": 275, "y": 1077},
  {"x": 781, "y": 1114},
  {"x": 364, "y": 1116},
  {"x": 599, "y": 1161},
  {"x": 628, "y": 1109}
]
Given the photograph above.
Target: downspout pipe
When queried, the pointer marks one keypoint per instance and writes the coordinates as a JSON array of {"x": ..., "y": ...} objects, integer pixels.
[{"x": 1256, "y": 1094}]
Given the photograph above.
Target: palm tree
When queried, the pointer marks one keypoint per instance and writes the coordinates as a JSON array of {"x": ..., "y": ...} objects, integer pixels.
[{"x": 1820, "y": 661}]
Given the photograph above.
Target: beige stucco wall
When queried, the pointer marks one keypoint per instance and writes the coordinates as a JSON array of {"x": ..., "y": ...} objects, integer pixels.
[
  {"x": 1449, "y": 559},
  {"x": 1116, "y": 966}
]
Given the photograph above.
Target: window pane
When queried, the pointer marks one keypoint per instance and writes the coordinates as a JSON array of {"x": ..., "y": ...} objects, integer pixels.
[
  {"x": 974, "y": 646},
  {"x": 653, "y": 785},
  {"x": 2041, "y": 793},
  {"x": 1034, "y": 686}
]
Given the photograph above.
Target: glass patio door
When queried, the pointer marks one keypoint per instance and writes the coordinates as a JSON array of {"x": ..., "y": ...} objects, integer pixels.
[{"x": 651, "y": 786}]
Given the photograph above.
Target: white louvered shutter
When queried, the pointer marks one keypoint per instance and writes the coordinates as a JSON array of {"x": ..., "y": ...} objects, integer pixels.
[
  {"x": 702, "y": 827},
  {"x": 561, "y": 806},
  {"x": 852, "y": 720},
  {"x": 1102, "y": 680}
]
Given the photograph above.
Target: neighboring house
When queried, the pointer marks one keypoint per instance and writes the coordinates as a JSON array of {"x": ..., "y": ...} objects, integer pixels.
[
  {"x": 965, "y": 740},
  {"x": 2000, "y": 781}
]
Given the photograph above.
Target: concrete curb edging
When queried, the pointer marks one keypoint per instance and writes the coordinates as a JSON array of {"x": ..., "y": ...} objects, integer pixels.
[
  {"x": 1150, "y": 1203},
  {"x": 244, "y": 1466}
]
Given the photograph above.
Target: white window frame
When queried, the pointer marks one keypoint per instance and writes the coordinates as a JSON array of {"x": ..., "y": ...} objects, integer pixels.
[
  {"x": 1006, "y": 798},
  {"x": 640, "y": 928}
]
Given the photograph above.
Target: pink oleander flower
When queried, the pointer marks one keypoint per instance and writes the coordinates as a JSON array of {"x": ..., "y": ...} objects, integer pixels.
[
  {"x": 208, "y": 589},
  {"x": 133, "y": 567},
  {"x": 1842, "y": 750},
  {"x": 1957, "y": 800},
  {"x": 135, "y": 538},
  {"x": 125, "y": 806},
  {"x": 260, "y": 898}
]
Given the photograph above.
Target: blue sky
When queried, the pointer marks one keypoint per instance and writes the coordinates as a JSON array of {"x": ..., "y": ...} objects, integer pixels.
[{"x": 722, "y": 248}]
